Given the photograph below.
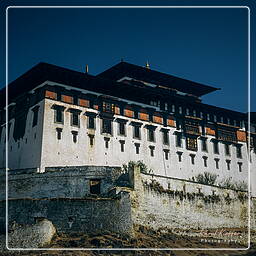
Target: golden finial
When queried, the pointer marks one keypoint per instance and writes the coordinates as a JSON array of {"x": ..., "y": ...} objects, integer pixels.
[
  {"x": 147, "y": 65},
  {"x": 86, "y": 69}
]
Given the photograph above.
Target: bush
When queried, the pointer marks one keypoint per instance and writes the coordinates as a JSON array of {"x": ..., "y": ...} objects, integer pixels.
[
  {"x": 227, "y": 183},
  {"x": 206, "y": 178},
  {"x": 143, "y": 168}
]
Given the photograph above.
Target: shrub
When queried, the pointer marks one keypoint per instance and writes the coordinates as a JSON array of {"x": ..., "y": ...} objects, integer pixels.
[
  {"x": 227, "y": 183},
  {"x": 206, "y": 178},
  {"x": 130, "y": 165}
]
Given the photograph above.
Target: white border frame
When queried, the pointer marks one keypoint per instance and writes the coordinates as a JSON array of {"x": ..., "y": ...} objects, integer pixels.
[{"x": 130, "y": 249}]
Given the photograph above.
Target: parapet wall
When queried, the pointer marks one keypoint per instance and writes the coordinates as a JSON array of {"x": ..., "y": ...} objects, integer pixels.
[
  {"x": 160, "y": 202},
  {"x": 70, "y": 182},
  {"x": 73, "y": 215}
]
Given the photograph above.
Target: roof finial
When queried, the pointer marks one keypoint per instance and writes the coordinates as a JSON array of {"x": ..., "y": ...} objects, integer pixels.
[
  {"x": 86, "y": 69},
  {"x": 122, "y": 59},
  {"x": 147, "y": 65}
]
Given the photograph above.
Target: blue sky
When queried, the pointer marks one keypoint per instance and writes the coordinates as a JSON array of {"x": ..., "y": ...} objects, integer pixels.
[{"x": 203, "y": 45}]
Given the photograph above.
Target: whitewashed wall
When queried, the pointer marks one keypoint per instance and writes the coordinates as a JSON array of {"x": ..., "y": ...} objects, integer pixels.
[
  {"x": 65, "y": 152},
  {"x": 25, "y": 152}
]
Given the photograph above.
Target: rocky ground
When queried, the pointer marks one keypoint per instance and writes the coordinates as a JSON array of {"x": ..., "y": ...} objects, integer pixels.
[{"x": 144, "y": 238}]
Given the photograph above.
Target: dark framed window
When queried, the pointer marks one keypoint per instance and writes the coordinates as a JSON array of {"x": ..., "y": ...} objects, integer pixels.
[
  {"x": 35, "y": 115},
  {"x": 152, "y": 148},
  {"x": 228, "y": 164},
  {"x": 108, "y": 107},
  {"x": 151, "y": 135},
  {"x": 217, "y": 162},
  {"x": 166, "y": 154},
  {"x": 192, "y": 156},
  {"x": 215, "y": 147},
  {"x": 95, "y": 186},
  {"x": 106, "y": 139},
  {"x": 226, "y": 135},
  {"x": 137, "y": 148},
  {"x": 205, "y": 158},
  {"x": 121, "y": 128},
  {"x": 107, "y": 126},
  {"x": 74, "y": 134},
  {"x": 179, "y": 153},
  {"x": 91, "y": 122},
  {"x": 191, "y": 143},
  {"x": 91, "y": 138},
  {"x": 59, "y": 116},
  {"x": 165, "y": 135},
  {"x": 204, "y": 144},
  {"x": 178, "y": 139},
  {"x": 75, "y": 119},
  {"x": 227, "y": 149},
  {"x": 122, "y": 142},
  {"x": 240, "y": 166},
  {"x": 59, "y": 131},
  {"x": 239, "y": 151},
  {"x": 136, "y": 132}
]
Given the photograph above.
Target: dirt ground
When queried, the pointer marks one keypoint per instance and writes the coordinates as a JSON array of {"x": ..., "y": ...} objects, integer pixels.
[{"x": 144, "y": 238}]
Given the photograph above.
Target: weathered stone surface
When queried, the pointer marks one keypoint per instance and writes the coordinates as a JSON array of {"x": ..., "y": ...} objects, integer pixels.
[
  {"x": 31, "y": 236},
  {"x": 74, "y": 215},
  {"x": 57, "y": 182},
  {"x": 160, "y": 202}
]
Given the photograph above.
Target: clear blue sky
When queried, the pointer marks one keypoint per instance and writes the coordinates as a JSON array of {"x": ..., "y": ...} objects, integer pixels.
[{"x": 203, "y": 45}]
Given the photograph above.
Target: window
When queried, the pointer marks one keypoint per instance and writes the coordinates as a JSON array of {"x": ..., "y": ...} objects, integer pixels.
[
  {"x": 228, "y": 164},
  {"x": 59, "y": 131},
  {"x": 226, "y": 135},
  {"x": 173, "y": 108},
  {"x": 108, "y": 107},
  {"x": 91, "y": 138},
  {"x": 152, "y": 148},
  {"x": 122, "y": 142},
  {"x": 215, "y": 147},
  {"x": 106, "y": 139},
  {"x": 107, "y": 126},
  {"x": 191, "y": 143},
  {"x": 192, "y": 127},
  {"x": 179, "y": 153},
  {"x": 122, "y": 128},
  {"x": 59, "y": 117},
  {"x": 180, "y": 110},
  {"x": 205, "y": 160},
  {"x": 95, "y": 185},
  {"x": 194, "y": 113},
  {"x": 204, "y": 144},
  {"x": 217, "y": 162},
  {"x": 239, "y": 151},
  {"x": 240, "y": 166},
  {"x": 136, "y": 132},
  {"x": 137, "y": 147},
  {"x": 74, "y": 133},
  {"x": 165, "y": 136},
  {"x": 166, "y": 154},
  {"x": 178, "y": 139},
  {"x": 91, "y": 122},
  {"x": 151, "y": 135},
  {"x": 192, "y": 156},
  {"x": 227, "y": 149},
  {"x": 214, "y": 118},
  {"x": 187, "y": 112},
  {"x": 208, "y": 117},
  {"x": 74, "y": 119},
  {"x": 35, "y": 115}
]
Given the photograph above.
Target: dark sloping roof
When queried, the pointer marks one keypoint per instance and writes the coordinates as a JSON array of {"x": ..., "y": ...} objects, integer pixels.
[
  {"x": 47, "y": 72},
  {"x": 123, "y": 69}
]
